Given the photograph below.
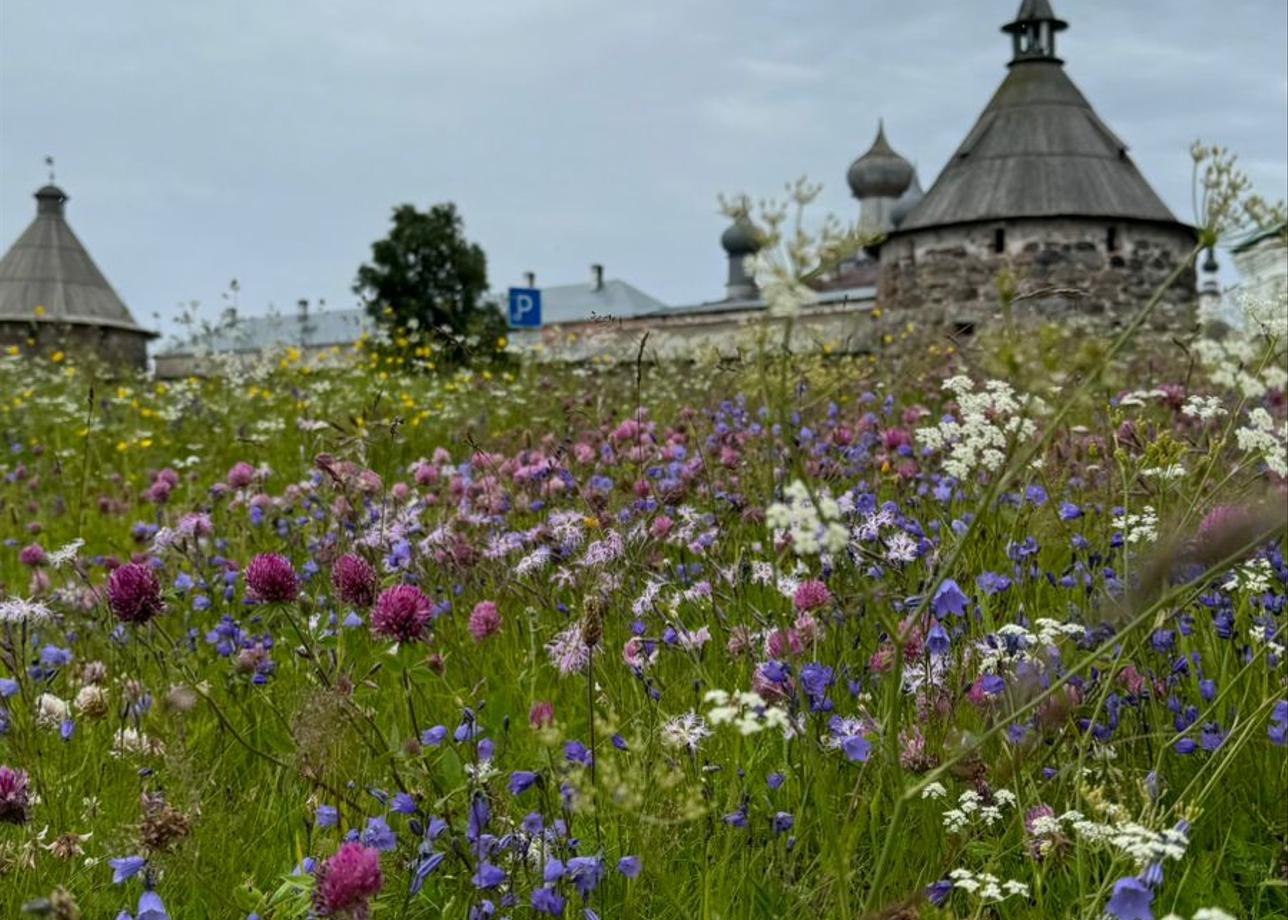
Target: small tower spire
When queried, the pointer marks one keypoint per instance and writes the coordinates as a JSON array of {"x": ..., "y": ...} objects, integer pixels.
[
  {"x": 1033, "y": 32},
  {"x": 49, "y": 161}
]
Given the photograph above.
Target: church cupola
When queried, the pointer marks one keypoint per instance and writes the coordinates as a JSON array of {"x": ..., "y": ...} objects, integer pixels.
[
  {"x": 1033, "y": 32},
  {"x": 741, "y": 240}
]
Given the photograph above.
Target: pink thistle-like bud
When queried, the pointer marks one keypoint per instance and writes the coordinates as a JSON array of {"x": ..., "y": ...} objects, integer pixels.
[
  {"x": 355, "y": 581},
  {"x": 348, "y": 881},
  {"x": 402, "y": 613},
  {"x": 271, "y": 579},
  {"x": 241, "y": 475},
  {"x": 485, "y": 620},
  {"x": 811, "y": 595},
  {"x": 784, "y": 643},
  {"x": 541, "y": 715},
  {"x": 14, "y": 799},
  {"x": 133, "y": 593}
]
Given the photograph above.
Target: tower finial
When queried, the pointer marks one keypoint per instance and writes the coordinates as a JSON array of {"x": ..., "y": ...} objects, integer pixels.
[
  {"x": 1033, "y": 32},
  {"x": 49, "y": 161}
]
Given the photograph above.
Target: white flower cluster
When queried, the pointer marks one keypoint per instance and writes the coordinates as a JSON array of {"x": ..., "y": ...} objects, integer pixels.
[
  {"x": 987, "y": 887},
  {"x": 747, "y": 712},
  {"x": 1262, "y": 437},
  {"x": 1252, "y": 577},
  {"x": 1136, "y": 841},
  {"x": 1166, "y": 473},
  {"x": 785, "y": 294},
  {"x": 1140, "y": 528},
  {"x": 1269, "y": 316},
  {"x": 989, "y": 420},
  {"x": 813, "y": 523},
  {"x": 1205, "y": 913},
  {"x": 1231, "y": 361},
  {"x": 1022, "y": 644},
  {"x": 971, "y": 809},
  {"x": 1261, "y": 636},
  {"x": 1204, "y": 408}
]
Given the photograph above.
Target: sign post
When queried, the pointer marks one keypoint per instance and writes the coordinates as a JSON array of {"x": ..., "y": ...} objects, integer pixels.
[{"x": 525, "y": 308}]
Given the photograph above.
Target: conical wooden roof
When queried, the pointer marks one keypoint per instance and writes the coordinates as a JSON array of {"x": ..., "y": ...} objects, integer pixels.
[
  {"x": 48, "y": 267},
  {"x": 1038, "y": 150}
]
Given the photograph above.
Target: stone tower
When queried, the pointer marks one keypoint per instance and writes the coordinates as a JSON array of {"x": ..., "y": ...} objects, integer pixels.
[
  {"x": 1043, "y": 189},
  {"x": 53, "y": 296}
]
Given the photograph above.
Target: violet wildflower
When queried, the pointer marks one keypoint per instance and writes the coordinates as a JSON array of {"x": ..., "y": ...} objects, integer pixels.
[
  {"x": 133, "y": 593},
  {"x": 379, "y": 835},
  {"x": 355, "y": 581},
  {"x": 488, "y": 876},
  {"x": 326, "y": 816},
  {"x": 629, "y": 866},
  {"x": 126, "y": 868},
  {"x": 1131, "y": 900},
  {"x": 33, "y": 555},
  {"x": 14, "y": 797},
  {"x": 271, "y": 579},
  {"x": 937, "y": 893},
  {"x": 949, "y": 599},
  {"x": 348, "y": 881},
  {"x": 485, "y": 620},
  {"x": 586, "y": 873},
  {"x": 547, "y": 901},
  {"x": 521, "y": 781},
  {"x": 402, "y": 613},
  {"x": 150, "y": 907},
  {"x": 1278, "y": 729}
]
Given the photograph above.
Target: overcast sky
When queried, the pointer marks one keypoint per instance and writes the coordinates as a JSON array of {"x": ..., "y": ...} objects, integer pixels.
[{"x": 268, "y": 141}]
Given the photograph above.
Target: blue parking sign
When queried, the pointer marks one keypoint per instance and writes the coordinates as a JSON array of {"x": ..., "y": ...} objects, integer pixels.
[{"x": 525, "y": 308}]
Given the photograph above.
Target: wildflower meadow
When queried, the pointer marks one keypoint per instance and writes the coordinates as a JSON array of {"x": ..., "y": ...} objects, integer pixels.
[{"x": 984, "y": 629}]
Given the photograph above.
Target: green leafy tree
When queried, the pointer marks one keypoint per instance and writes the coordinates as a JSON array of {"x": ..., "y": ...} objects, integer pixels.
[{"x": 426, "y": 282}]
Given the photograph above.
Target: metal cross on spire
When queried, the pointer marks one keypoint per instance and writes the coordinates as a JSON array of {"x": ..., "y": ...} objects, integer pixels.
[{"x": 49, "y": 161}]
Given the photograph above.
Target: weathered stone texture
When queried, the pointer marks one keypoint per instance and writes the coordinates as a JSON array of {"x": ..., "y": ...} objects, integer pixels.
[
  {"x": 117, "y": 348},
  {"x": 1060, "y": 269}
]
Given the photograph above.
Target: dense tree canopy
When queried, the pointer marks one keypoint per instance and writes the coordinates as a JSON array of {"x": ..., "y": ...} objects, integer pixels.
[{"x": 426, "y": 279}]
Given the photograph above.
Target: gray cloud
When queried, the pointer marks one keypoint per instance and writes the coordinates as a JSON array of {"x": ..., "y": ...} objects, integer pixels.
[{"x": 268, "y": 141}]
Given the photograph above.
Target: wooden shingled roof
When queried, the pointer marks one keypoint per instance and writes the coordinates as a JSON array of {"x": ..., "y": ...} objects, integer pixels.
[
  {"x": 1038, "y": 150},
  {"x": 47, "y": 267}
]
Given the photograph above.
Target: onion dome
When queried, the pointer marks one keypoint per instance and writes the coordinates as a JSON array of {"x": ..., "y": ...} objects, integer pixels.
[
  {"x": 907, "y": 201},
  {"x": 741, "y": 238},
  {"x": 879, "y": 173}
]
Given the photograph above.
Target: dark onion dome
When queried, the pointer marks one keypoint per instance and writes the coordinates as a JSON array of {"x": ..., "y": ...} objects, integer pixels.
[
  {"x": 879, "y": 173},
  {"x": 741, "y": 238},
  {"x": 907, "y": 201},
  {"x": 1038, "y": 150}
]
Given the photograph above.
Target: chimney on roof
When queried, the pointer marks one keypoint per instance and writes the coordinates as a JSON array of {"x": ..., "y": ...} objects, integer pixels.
[
  {"x": 530, "y": 279},
  {"x": 597, "y": 277}
]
